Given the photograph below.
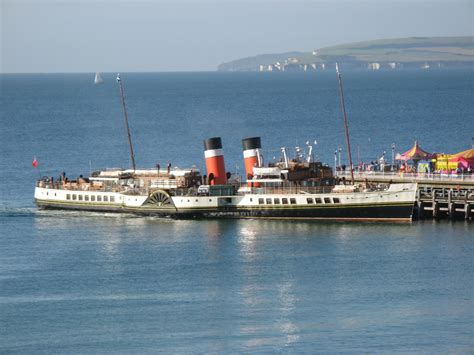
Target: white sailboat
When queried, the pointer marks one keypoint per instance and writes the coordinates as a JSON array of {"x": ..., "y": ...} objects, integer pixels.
[{"x": 98, "y": 79}]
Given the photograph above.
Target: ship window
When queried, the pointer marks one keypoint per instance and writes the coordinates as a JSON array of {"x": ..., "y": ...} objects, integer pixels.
[
  {"x": 99, "y": 198},
  {"x": 260, "y": 201},
  {"x": 251, "y": 199},
  {"x": 86, "y": 197},
  {"x": 68, "y": 196},
  {"x": 269, "y": 201},
  {"x": 310, "y": 200},
  {"x": 112, "y": 198},
  {"x": 336, "y": 200},
  {"x": 293, "y": 201},
  {"x": 106, "y": 198},
  {"x": 327, "y": 200},
  {"x": 55, "y": 195},
  {"x": 284, "y": 201},
  {"x": 80, "y": 197},
  {"x": 93, "y": 198},
  {"x": 47, "y": 193},
  {"x": 318, "y": 200},
  {"x": 276, "y": 201},
  {"x": 74, "y": 197}
]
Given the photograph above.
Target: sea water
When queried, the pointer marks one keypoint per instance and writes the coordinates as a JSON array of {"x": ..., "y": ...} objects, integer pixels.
[{"x": 90, "y": 282}]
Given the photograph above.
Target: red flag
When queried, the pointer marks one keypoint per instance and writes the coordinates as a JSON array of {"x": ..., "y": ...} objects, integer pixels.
[{"x": 35, "y": 163}]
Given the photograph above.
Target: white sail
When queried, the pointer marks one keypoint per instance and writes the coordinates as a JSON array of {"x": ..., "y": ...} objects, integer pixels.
[{"x": 98, "y": 79}]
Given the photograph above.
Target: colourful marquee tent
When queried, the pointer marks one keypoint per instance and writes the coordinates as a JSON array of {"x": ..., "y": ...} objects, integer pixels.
[
  {"x": 464, "y": 158},
  {"x": 415, "y": 153},
  {"x": 467, "y": 154}
]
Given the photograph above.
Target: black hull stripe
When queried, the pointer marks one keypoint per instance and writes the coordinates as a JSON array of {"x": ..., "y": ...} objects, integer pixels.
[{"x": 402, "y": 212}]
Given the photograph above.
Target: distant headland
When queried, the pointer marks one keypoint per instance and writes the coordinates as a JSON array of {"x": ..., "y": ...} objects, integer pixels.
[{"x": 384, "y": 54}]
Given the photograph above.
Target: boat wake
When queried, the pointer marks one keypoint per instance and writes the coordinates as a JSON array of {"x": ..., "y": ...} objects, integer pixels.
[{"x": 8, "y": 212}]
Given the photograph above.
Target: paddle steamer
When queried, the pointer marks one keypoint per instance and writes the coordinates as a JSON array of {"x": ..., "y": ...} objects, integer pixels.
[{"x": 288, "y": 189}]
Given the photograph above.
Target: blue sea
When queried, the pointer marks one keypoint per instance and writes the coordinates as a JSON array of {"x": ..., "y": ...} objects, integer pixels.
[{"x": 77, "y": 282}]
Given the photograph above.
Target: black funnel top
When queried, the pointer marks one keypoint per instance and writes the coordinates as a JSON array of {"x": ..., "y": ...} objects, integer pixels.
[
  {"x": 251, "y": 143},
  {"x": 213, "y": 143}
]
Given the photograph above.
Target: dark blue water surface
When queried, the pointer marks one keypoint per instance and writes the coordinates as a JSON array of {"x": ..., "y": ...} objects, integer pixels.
[{"x": 85, "y": 282}]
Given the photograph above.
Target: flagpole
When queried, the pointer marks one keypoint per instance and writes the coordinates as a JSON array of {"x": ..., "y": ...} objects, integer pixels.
[
  {"x": 346, "y": 126},
  {"x": 35, "y": 165},
  {"x": 122, "y": 95}
]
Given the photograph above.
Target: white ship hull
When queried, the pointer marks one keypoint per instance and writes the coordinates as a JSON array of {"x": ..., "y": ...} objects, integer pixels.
[{"x": 394, "y": 204}]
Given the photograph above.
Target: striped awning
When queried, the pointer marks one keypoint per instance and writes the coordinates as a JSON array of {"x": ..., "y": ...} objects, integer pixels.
[{"x": 415, "y": 153}]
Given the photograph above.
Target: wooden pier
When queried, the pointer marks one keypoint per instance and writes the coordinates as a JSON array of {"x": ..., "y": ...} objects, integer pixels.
[{"x": 439, "y": 196}]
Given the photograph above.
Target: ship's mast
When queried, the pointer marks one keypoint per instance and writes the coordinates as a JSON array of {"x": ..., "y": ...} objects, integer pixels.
[
  {"x": 343, "y": 107},
  {"x": 122, "y": 95}
]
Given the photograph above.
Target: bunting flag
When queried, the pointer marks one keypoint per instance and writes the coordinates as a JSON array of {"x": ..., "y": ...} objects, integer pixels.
[{"x": 34, "y": 163}]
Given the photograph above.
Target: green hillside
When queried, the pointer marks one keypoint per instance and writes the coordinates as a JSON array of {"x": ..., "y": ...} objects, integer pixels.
[{"x": 401, "y": 50}]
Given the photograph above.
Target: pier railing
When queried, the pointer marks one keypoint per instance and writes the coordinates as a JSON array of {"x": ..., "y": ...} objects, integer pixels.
[{"x": 407, "y": 177}]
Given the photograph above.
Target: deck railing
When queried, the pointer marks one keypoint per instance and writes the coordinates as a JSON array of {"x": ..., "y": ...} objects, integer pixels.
[
  {"x": 91, "y": 188},
  {"x": 290, "y": 190},
  {"x": 87, "y": 187}
]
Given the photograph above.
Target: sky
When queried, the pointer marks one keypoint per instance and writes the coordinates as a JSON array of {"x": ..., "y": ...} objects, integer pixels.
[{"x": 197, "y": 35}]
